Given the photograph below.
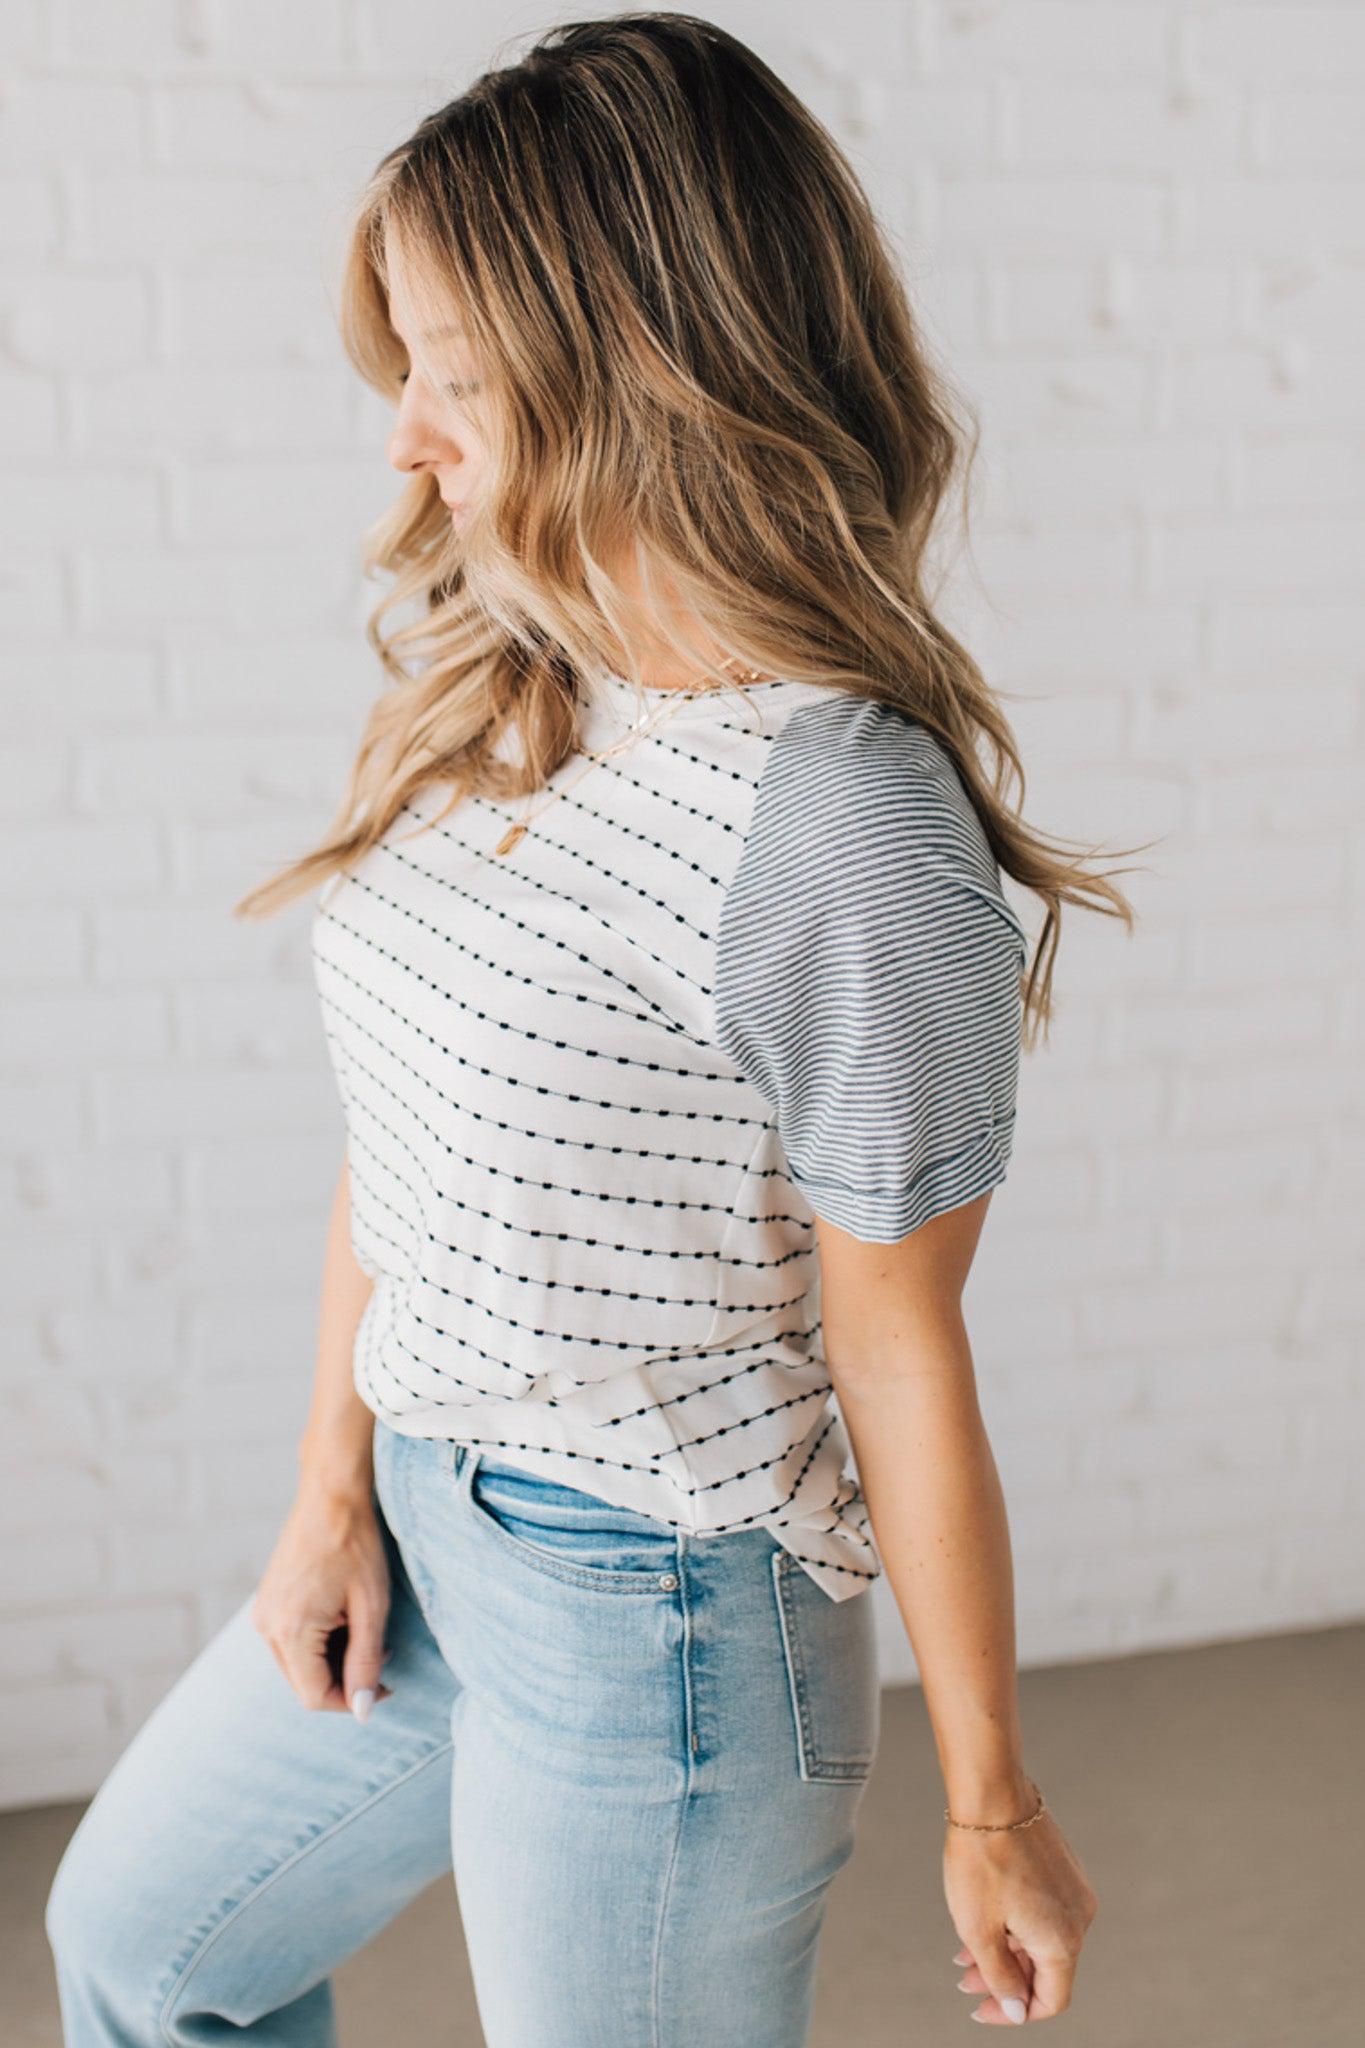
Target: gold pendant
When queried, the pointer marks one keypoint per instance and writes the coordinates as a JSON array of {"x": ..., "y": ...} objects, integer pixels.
[{"x": 510, "y": 838}]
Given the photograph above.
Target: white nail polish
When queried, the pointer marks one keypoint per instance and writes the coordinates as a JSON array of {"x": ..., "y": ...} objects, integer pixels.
[
  {"x": 362, "y": 1701},
  {"x": 1014, "y": 2009}
]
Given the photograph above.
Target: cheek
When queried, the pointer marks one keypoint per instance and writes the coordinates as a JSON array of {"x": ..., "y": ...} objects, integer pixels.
[{"x": 475, "y": 463}]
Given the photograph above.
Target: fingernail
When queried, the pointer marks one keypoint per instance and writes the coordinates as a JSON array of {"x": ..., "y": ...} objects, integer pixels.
[
  {"x": 1014, "y": 2009},
  {"x": 362, "y": 1701},
  {"x": 976, "y": 2013},
  {"x": 962, "y": 1984}
]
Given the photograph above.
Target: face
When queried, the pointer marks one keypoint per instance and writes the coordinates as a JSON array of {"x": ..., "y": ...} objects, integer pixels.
[{"x": 437, "y": 427}]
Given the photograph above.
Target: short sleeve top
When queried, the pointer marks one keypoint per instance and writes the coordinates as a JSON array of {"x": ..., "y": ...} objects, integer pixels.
[{"x": 755, "y": 970}]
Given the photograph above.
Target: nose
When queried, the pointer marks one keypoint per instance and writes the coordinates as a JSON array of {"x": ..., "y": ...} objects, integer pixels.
[
  {"x": 411, "y": 450},
  {"x": 415, "y": 442}
]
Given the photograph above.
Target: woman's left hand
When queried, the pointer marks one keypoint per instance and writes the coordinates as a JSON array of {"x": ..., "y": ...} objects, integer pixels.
[{"x": 1022, "y": 1905}]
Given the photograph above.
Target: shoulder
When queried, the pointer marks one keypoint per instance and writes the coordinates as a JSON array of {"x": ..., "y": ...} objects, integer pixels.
[
  {"x": 868, "y": 970},
  {"x": 857, "y": 801}
]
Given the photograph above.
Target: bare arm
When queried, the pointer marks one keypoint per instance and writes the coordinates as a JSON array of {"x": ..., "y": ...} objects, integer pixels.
[
  {"x": 324, "y": 1597},
  {"x": 335, "y": 1452},
  {"x": 901, "y": 1363},
  {"x": 899, "y": 1356}
]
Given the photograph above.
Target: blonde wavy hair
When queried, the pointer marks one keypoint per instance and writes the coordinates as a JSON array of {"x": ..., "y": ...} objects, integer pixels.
[{"x": 696, "y": 353}]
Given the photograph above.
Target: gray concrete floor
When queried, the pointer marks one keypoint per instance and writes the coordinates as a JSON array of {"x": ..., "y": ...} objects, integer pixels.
[{"x": 1215, "y": 1796}]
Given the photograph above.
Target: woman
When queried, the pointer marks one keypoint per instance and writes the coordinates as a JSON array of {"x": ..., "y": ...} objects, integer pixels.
[{"x": 675, "y": 1007}]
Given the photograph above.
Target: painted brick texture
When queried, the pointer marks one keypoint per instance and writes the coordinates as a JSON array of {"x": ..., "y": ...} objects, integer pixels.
[{"x": 1136, "y": 236}]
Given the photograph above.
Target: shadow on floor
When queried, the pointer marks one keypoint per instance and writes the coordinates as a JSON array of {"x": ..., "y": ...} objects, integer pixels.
[{"x": 1215, "y": 1797}]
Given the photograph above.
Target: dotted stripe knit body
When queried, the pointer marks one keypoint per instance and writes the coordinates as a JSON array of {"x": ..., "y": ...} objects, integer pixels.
[{"x": 755, "y": 969}]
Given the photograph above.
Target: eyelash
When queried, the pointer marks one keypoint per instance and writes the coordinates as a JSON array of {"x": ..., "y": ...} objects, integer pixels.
[{"x": 455, "y": 390}]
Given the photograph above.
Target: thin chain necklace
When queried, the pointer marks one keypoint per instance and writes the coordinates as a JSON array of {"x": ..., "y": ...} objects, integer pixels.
[{"x": 645, "y": 723}]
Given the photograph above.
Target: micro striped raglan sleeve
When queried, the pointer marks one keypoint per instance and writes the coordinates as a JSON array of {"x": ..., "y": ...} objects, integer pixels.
[{"x": 868, "y": 971}]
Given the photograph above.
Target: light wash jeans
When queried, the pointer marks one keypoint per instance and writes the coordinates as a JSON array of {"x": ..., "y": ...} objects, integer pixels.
[{"x": 642, "y": 1753}]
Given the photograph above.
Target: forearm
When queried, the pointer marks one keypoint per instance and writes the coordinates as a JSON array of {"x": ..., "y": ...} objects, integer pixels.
[
  {"x": 335, "y": 1451},
  {"x": 938, "y": 1514}
]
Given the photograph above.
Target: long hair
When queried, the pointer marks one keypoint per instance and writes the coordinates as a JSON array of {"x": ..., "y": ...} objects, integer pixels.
[{"x": 696, "y": 349}]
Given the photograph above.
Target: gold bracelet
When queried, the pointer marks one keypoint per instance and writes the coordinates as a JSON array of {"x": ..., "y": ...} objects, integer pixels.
[{"x": 991, "y": 1827}]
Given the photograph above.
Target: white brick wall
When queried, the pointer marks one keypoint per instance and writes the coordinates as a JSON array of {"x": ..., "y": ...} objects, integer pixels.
[{"x": 1136, "y": 231}]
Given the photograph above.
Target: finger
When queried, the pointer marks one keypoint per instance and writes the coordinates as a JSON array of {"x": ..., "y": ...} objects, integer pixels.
[
  {"x": 972, "y": 1981},
  {"x": 1053, "y": 1982},
  {"x": 275, "y": 1653},
  {"x": 309, "y": 1673},
  {"x": 364, "y": 1658},
  {"x": 1007, "y": 1983},
  {"x": 1025, "y": 1960},
  {"x": 1022, "y": 1958}
]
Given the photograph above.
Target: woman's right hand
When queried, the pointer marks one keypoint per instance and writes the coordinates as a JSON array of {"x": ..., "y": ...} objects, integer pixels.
[{"x": 328, "y": 1573}]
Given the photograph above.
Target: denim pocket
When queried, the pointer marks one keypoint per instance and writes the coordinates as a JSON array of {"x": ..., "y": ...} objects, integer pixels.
[
  {"x": 571, "y": 1534},
  {"x": 830, "y": 1650}
]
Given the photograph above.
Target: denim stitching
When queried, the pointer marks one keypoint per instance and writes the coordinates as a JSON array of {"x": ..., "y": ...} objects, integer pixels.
[
  {"x": 684, "y": 1803},
  {"x": 840, "y": 1770},
  {"x": 595, "y": 1578}
]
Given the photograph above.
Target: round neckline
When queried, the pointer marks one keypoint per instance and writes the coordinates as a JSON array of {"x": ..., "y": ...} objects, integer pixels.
[{"x": 616, "y": 696}]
